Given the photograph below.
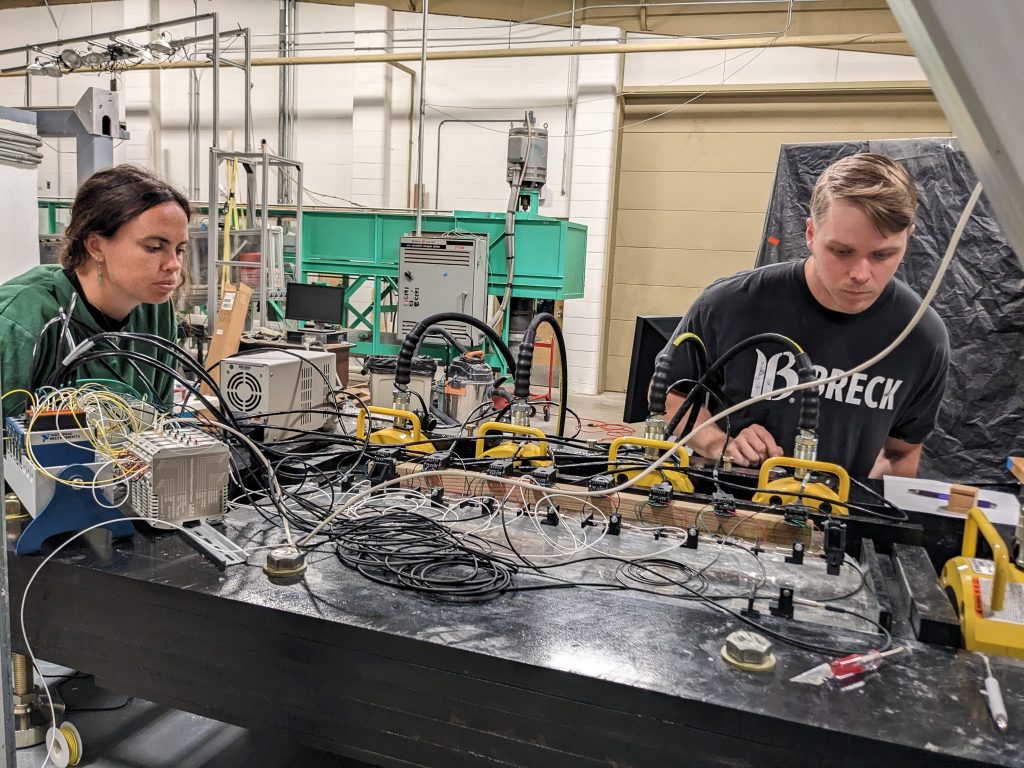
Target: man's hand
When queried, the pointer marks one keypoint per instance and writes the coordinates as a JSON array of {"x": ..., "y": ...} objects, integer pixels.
[
  {"x": 748, "y": 449},
  {"x": 752, "y": 446}
]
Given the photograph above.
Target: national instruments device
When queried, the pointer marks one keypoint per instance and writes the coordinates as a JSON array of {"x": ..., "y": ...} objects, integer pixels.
[{"x": 183, "y": 476}]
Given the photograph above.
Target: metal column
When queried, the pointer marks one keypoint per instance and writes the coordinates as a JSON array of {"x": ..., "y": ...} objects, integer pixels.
[
  {"x": 286, "y": 88},
  {"x": 6, "y": 682}
]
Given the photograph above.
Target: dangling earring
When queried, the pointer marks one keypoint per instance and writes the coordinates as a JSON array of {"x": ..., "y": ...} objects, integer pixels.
[{"x": 99, "y": 266}]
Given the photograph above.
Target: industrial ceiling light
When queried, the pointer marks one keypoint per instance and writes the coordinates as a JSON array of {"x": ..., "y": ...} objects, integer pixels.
[
  {"x": 35, "y": 68},
  {"x": 51, "y": 68},
  {"x": 162, "y": 45},
  {"x": 71, "y": 58},
  {"x": 95, "y": 58}
]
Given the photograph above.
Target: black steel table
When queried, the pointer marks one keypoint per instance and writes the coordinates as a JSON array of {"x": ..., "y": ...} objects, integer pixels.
[{"x": 575, "y": 677}]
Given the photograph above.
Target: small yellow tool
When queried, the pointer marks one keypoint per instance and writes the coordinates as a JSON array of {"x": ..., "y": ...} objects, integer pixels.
[
  {"x": 988, "y": 594},
  {"x": 791, "y": 489},
  {"x": 411, "y": 436},
  {"x": 534, "y": 450},
  {"x": 673, "y": 471}
]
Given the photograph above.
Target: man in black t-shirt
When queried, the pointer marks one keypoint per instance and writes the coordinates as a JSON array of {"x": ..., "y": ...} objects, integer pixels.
[{"x": 842, "y": 305}]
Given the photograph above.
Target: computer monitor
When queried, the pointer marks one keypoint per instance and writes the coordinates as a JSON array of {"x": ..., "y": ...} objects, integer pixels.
[
  {"x": 314, "y": 303},
  {"x": 651, "y": 334}
]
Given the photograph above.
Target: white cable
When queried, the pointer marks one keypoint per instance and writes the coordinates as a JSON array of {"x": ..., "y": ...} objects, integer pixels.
[
  {"x": 271, "y": 475},
  {"x": 671, "y": 452},
  {"x": 31, "y": 580}
]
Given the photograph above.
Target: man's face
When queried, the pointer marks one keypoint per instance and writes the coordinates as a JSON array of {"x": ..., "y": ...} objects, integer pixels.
[{"x": 851, "y": 261}]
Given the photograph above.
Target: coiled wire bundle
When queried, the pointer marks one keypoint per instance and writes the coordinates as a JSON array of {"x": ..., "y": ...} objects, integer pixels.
[{"x": 410, "y": 551}]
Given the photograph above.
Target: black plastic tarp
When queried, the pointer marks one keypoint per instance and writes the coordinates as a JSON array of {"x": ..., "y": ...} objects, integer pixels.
[{"x": 981, "y": 299}]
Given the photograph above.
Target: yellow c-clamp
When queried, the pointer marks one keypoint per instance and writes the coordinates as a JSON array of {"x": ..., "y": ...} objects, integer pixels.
[
  {"x": 413, "y": 437},
  {"x": 982, "y": 589},
  {"x": 533, "y": 451},
  {"x": 673, "y": 473},
  {"x": 791, "y": 490}
]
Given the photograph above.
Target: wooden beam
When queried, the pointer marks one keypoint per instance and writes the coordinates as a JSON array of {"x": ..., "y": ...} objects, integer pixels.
[
  {"x": 749, "y": 524},
  {"x": 1016, "y": 466}
]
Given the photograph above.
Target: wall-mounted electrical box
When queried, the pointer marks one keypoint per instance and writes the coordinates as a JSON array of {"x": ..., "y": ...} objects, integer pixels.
[{"x": 442, "y": 273}]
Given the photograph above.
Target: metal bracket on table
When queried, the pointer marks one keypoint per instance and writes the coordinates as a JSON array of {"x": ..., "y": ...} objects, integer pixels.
[{"x": 216, "y": 546}]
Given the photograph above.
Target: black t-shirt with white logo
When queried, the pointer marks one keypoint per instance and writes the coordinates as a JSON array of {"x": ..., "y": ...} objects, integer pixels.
[{"x": 898, "y": 396}]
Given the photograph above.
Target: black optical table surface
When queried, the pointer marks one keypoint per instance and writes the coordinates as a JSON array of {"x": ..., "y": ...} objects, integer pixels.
[{"x": 557, "y": 677}]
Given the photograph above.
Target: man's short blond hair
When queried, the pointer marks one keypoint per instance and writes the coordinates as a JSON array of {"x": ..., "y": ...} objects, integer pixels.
[{"x": 877, "y": 184}]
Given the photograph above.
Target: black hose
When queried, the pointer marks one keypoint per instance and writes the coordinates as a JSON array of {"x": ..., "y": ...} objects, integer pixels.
[
  {"x": 403, "y": 367},
  {"x": 663, "y": 370},
  {"x": 443, "y": 417},
  {"x": 805, "y": 373},
  {"x": 524, "y": 365},
  {"x": 437, "y": 330}
]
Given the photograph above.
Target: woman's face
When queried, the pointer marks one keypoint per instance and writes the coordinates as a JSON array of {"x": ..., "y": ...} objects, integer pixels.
[{"x": 141, "y": 263}]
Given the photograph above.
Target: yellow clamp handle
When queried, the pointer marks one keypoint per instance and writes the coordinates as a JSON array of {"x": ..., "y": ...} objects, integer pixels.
[
  {"x": 976, "y": 521},
  {"x": 647, "y": 442},
  {"x": 509, "y": 429},
  {"x": 376, "y": 410},
  {"x": 813, "y": 466}
]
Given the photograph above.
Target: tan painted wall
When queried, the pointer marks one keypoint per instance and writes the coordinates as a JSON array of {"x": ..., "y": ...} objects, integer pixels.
[{"x": 694, "y": 187}]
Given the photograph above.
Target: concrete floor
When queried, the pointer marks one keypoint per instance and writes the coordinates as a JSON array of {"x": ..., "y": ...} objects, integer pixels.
[
  {"x": 595, "y": 412},
  {"x": 141, "y": 734},
  {"x": 132, "y": 733}
]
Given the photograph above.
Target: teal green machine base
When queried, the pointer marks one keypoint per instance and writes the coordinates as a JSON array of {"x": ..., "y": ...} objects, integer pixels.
[{"x": 360, "y": 248}]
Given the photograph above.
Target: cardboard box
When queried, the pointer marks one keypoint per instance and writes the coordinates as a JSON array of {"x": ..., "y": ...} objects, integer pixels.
[{"x": 234, "y": 307}]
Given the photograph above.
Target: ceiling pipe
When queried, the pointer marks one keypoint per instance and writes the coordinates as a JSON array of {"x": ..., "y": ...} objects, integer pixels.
[{"x": 666, "y": 46}]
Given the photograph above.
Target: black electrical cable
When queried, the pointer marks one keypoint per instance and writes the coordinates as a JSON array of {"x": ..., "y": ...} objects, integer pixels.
[
  {"x": 711, "y": 392},
  {"x": 224, "y": 415},
  {"x": 663, "y": 370},
  {"x": 781, "y": 636},
  {"x": 36, "y": 376},
  {"x": 411, "y": 551},
  {"x": 524, "y": 364},
  {"x": 411, "y": 342},
  {"x": 806, "y": 495},
  {"x": 158, "y": 342},
  {"x": 885, "y": 502},
  {"x": 805, "y": 373}
]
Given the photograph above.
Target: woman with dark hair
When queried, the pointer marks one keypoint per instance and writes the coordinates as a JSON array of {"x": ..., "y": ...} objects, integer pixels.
[{"x": 124, "y": 251}]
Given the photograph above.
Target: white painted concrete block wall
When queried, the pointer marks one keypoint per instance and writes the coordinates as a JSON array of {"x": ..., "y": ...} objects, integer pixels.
[
  {"x": 593, "y": 184},
  {"x": 472, "y": 154},
  {"x": 371, "y": 109},
  {"x": 764, "y": 66}
]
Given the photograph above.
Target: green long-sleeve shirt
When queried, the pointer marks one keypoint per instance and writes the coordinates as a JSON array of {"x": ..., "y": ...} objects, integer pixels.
[{"x": 30, "y": 300}]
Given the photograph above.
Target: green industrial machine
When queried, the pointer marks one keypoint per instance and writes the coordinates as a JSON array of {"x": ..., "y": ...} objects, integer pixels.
[{"x": 362, "y": 248}]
